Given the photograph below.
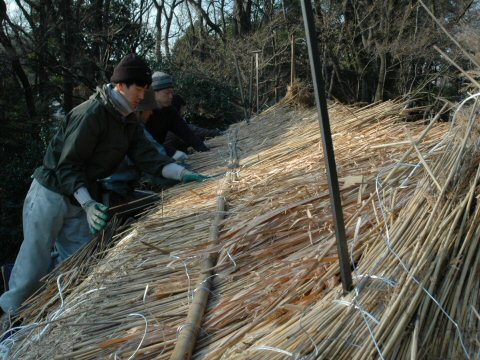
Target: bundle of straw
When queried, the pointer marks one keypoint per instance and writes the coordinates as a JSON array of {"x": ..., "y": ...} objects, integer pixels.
[{"x": 275, "y": 287}]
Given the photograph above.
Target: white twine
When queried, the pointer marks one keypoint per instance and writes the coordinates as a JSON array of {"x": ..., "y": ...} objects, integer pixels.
[
  {"x": 388, "y": 240},
  {"x": 274, "y": 349},
  {"x": 232, "y": 260},
  {"x": 186, "y": 273},
  {"x": 141, "y": 341},
  {"x": 407, "y": 270},
  {"x": 355, "y": 300},
  {"x": 390, "y": 282},
  {"x": 145, "y": 293},
  {"x": 308, "y": 335}
]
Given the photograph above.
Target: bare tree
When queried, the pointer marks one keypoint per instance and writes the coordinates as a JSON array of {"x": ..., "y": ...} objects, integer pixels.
[
  {"x": 197, "y": 4},
  {"x": 159, "y": 6},
  {"x": 222, "y": 15},
  {"x": 98, "y": 27},
  {"x": 68, "y": 53},
  {"x": 168, "y": 25},
  {"x": 242, "y": 10},
  {"x": 14, "y": 60}
]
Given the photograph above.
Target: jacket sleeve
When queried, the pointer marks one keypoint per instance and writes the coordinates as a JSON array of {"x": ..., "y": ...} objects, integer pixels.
[
  {"x": 182, "y": 130},
  {"x": 144, "y": 154},
  {"x": 80, "y": 134},
  {"x": 203, "y": 133},
  {"x": 157, "y": 126},
  {"x": 172, "y": 141}
]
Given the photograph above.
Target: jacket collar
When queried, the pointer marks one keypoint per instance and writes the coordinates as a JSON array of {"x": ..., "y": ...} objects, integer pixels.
[{"x": 115, "y": 103}]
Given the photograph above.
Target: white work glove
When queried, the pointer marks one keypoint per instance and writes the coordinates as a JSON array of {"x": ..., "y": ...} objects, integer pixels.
[
  {"x": 180, "y": 156},
  {"x": 177, "y": 172},
  {"x": 96, "y": 215}
]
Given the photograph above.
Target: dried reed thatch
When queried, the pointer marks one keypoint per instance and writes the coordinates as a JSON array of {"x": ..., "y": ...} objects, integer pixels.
[
  {"x": 409, "y": 194},
  {"x": 299, "y": 93}
]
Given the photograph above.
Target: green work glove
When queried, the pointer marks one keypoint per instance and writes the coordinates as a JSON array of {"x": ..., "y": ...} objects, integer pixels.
[
  {"x": 189, "y": 176},
  {"x": 96, "y": 215}
]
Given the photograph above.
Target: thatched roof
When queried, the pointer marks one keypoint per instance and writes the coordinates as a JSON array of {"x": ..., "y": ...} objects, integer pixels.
[{"x": 409, "y": 195}]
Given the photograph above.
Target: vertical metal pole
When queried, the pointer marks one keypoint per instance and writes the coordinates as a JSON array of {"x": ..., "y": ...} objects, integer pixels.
[
  {"x": 256, "y": 66},
  {"x": 335, "y": 200},
  {"x": 250, "y": 90},
  {"x": 292, "y": 60}
]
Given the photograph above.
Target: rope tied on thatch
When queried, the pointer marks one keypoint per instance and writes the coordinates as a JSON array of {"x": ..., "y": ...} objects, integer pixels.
[
  {"x": 410, "y": 272},
  {"x": 276, "y": 279}
]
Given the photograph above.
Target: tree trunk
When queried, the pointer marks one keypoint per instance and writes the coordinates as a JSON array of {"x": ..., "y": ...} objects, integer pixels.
[
  {"x": 168, "y": 25},
  {"x": 16, "y": 65},
  {"x": 190, "y": 19},
  {"x": 41, "y": 39},
  {"x": 242, "y": 12},
  {"x": 158, "y": 29},
  {"x": 97, "y": 46},
  {"x": 203, "y": 15},
  {"x": 222, "y": 16},
  {"x": 267, "y": 11},
  {"x": 382, "y": 72},
  {"x": 68, "y": 44}
]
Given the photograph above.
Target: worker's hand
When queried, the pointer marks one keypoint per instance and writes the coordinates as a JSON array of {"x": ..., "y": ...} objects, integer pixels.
[
  {"x": 189, "y": 176},
  {"x": 180, "y": 156},
  {"x": 96, "y": 215}
]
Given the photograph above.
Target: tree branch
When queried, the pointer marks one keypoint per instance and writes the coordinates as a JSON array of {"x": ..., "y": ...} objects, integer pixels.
[{"x": 207, "y": 19}]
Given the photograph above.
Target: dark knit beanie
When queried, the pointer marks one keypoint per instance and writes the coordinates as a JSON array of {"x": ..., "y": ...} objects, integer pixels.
[
  {"x": 161, "y": 80},
  {"x": 132, "y": 69}
]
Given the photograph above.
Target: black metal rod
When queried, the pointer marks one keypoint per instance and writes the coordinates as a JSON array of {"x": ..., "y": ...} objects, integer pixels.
[{"x": 335, "y": 200}]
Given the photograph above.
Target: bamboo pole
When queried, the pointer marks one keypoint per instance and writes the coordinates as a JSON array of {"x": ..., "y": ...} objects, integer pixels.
[{"x": 188, "y": 333}]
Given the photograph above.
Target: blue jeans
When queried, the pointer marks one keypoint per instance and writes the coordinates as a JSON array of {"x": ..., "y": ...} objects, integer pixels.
[{"x": 49, "y": 221}]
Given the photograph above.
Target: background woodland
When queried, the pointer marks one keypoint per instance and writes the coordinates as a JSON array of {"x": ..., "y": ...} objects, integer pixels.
[{"x": 54, "y": 53}]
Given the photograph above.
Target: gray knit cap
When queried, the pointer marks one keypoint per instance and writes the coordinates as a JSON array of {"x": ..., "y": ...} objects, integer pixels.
[{"x": 161, "y": 80}]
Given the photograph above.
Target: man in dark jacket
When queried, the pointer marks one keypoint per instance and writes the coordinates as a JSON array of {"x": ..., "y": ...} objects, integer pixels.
[
  {"x": 119, "y": 188},
  {"x": 166, "y": 118},
  {"x": 63, "y": 202},
  {"x": 173, "y": 141}
]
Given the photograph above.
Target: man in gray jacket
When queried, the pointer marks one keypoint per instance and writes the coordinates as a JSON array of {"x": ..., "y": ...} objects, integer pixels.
[{"x": 64, "y": 201}]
